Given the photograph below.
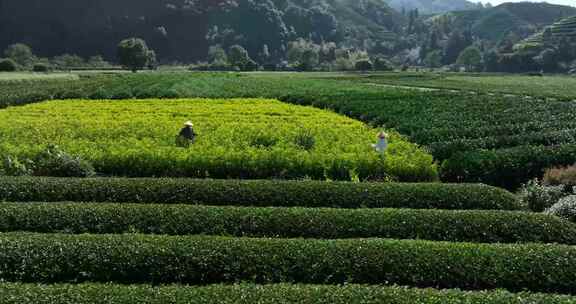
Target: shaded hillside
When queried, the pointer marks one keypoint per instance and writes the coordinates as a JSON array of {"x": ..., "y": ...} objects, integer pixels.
[
  {"x": 183, "y": 30},
  {"x": 432, "y": 6},
  {"x": 523, "y": 19}
]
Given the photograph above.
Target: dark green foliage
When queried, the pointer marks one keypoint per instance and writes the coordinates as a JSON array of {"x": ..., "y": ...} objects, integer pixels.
[
  {"x": 305, "y": 140},
  {"x": 8, "y": 65},
  {"x": 471, "y": 58},
  {"x": 41, "y": 67},
  {"x": 437, "y": 225},
  {"x": 507, "y": 168},
  {"x": 206, "y": 260},
  {"x": 12, "y": 166},
  {"x": 55, "y": 162},
  {"x": 239, "y": 58},
  {"x": 134, "y": 54},
  {"x": 257, "y": 193},
  {"x": 20, "y": 53},
  {"x": 382, "y": 64},
  {"x": 364, "y": 65},
  {"x": 11, "y": 293}
]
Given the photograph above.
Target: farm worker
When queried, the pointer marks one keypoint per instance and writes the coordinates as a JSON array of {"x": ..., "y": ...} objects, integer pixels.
[
  {"x": 187, "y": 135},
  {"x": 382, "y": 144}
]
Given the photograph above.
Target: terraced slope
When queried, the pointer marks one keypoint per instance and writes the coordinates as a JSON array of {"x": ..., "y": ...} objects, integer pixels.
[{"x": 71, "y": 248}]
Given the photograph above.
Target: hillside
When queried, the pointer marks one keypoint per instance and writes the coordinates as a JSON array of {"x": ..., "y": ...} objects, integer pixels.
[
  {"x": 432, "y": 6},
  {"x": 563, "y": 29},
  {"x": 182, "y": 30},
  {"x": 524, "y": 19}
]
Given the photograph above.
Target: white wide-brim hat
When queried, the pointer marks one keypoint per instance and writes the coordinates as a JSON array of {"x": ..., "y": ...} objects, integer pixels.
[{"x": 189, "y": 123}]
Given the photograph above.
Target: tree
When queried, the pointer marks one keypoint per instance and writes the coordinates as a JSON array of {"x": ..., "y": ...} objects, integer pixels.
[
  {"x": 433, "y": 59},
  {"x": 238, "y": 57},
  {"x": 217, "y": 55},
  {"x": 309, "y": 60},
  {"x": 8, "y": 65},
  {"x": 21, "y": 54},
  {"x": 454, "y": 46},
  {"x": 471, "y": 58},
  {"x": 133, "y": 53}
]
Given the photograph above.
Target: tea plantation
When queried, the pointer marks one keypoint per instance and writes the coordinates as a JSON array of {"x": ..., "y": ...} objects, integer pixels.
[
  {"x": 281, "y": 199},
  {"x": 502, "y": 140}
]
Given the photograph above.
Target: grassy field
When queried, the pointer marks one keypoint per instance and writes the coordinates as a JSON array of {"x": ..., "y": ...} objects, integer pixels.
[{"x": 241, "y": 138}]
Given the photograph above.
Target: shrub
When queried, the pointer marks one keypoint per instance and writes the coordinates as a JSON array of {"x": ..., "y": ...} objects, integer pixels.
[
  {"x": 305, "y": 140},
  {"x": 263, "y": 141},
  {"x": 257, "y": 193},
  {"x": 18, "y": 293},
  {"x": 41, "y": 67},
  {"x": 12, "y": 166},
  {"x": 539, "y": 197},
  {"x": 55, "y": 162},
  {"x": 439, "y": 225},
  {"x": 561, "y": 176},
  {"x": 8, "y": 65},
  {"x": 565, "y": 208},
  {"x": 206, "y": 260}
]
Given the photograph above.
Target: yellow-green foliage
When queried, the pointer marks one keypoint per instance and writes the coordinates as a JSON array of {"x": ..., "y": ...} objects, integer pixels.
[{"x": 240, "y": 138}]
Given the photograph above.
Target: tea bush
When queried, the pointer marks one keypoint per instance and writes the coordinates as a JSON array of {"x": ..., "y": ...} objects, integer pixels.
[
  {"x": 130, "y": 259},
  {"x": 439, "y": 225},
  {"x": 262, "y": 193},
  {"x": 241, "y": 138},
  {"x": 12, "y": 293}
]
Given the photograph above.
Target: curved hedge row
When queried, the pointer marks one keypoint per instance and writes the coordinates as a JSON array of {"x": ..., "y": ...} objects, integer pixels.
[
  {"x": 257, "y": 193},
  {"x": 445, "y": 149},
  {"x": 508, "y": 168},
  {"x": 46, "y": 258},
  {"x": 262, "y": 294},
  {"x": 439, "y": 225}
]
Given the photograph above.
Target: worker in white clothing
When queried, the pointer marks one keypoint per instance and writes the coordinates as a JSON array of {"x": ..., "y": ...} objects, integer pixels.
[{"x": 382, "y": 144}]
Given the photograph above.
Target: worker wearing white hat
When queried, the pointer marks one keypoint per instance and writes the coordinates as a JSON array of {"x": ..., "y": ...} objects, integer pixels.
[{"x": 187, "y": 135}]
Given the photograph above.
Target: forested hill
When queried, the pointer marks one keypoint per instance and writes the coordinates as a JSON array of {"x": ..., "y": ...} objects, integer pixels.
[
  {"x": 522, "y": 19},
  {"x": 432, "y": 6},
  {"x": 183, "y": 30}
]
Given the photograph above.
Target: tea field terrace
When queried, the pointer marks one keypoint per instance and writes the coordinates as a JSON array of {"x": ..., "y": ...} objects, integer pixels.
[{"x": 483, "y": 136}]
